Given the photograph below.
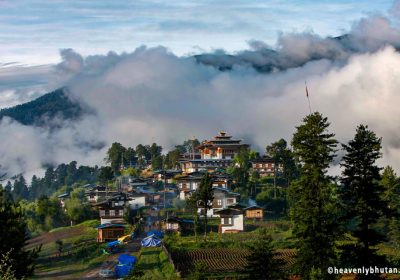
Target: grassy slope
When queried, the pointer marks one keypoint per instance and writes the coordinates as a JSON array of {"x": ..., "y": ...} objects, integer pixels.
[
  {"x": 80, "y": 252},
  {"x": 155, "y": 265}
]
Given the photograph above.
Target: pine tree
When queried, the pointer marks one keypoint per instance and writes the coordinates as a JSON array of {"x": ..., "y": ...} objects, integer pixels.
[
  {"x": 276, "y": 151},
  {"x": 6, "y": 195},
  {"x": 391, "y": 196},
  {"x": 35, "y": 190},
  {"x": 311, "y": 196},
  {"x": 204, "y": 196},
  {"x": 361, "y": 196},
  {"x": 13, "y": 239},
  {"x": 20, "y": 190},
  {"x": 262, "y": 262},
  {"x": 115, "y": 156}
]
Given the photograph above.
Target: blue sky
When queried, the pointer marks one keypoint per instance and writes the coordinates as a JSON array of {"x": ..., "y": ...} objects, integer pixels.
[{"x": 33, "y": 31}]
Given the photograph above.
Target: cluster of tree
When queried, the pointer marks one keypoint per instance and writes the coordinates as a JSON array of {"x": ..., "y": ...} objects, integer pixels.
[
  {"x": 46, "y": 213},
  {"x": 248, "y": 182},
  {"x": 53, "y": 180},
  {"x": 361, "y": 208},
  {"x": 323, "y": 211},
  {"x": 16, "y": 262},
  {"x": 120, "y": 157}
]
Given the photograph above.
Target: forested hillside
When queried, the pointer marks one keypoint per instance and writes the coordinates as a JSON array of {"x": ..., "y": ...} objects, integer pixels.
[{"x": 50, "y": 105}]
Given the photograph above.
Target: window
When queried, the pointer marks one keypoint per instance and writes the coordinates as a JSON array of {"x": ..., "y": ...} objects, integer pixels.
[
  {"x": 230, "y": 201},
  {"x": 226, "y": 221},
  {"x": 106, "y": 212},
  {"x": 219, "y": 202},
  {"x": 116, "y": 212},
  {"x": 102, "y": 213},
  {"x": 172, "y": 226},
  {"x": 112, "y": 212}
]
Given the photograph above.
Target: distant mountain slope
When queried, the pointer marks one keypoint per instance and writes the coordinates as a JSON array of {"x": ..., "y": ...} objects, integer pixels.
[{"x": 48, "y": 106}]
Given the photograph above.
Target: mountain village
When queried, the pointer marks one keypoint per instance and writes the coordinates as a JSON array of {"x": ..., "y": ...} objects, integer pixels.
[{"x": 153, "y": 207}]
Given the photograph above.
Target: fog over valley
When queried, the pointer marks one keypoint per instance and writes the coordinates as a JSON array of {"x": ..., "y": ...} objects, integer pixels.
[{"x": 152, "y": 95}]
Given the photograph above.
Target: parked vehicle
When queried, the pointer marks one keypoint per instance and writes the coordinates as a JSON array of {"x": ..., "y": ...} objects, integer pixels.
[{"x": 104, "y": 273}]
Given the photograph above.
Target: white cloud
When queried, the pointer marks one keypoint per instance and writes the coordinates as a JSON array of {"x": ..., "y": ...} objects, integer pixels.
[{"x": 153, "y": 95}]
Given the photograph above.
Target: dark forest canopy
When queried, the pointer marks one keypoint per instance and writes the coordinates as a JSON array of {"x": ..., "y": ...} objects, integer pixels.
[{"x": 48, "y": 106}]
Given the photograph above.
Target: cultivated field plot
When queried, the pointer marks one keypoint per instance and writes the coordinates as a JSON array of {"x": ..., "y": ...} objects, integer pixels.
[{"x": 219, "y": 260}]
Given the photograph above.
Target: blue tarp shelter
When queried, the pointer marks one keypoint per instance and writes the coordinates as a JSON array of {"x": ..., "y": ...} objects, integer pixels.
[
  {"x": 125, "y": 265},
  {"x": 151, "y": 241},
  {"x": 126, "y": 259},
  {"x": 112, "y": 244},
  {"x": 157, "y": 233}
]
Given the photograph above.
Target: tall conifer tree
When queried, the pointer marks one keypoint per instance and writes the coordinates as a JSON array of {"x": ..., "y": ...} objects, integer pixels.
[
  {"x": 311, "y": 196},
  {"x": 362, "y": 198}
]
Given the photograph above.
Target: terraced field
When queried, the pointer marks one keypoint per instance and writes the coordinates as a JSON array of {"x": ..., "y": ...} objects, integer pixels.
[{"x": 218, "y": 260}]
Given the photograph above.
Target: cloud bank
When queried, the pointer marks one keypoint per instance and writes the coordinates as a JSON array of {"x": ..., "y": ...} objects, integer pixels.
[{"x": 152, "y": 95}]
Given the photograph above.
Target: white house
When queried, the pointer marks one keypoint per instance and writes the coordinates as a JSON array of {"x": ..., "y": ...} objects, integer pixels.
[
  {"x": 111, "y": 211},
  {"x": 231, "y": 220},
  {"x": 223, "y": 198},
  {"x": 190, "y": 182}
]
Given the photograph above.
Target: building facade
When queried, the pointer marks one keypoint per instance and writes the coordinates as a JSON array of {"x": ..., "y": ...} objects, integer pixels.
[
  {"x": 265, "y": 166},
  {"x": 214, "y": 154}
]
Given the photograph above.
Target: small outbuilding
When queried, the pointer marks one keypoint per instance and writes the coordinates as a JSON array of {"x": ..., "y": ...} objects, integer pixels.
[
  {"x": 171, "y": 224},
  {"x": 110, "y": 232},
  {"x": 254, "y": 212},
  {"x": 231, "y": 220},
  {"x": 174, "y": 224}
]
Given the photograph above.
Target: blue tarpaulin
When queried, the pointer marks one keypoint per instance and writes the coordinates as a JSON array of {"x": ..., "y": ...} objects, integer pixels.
[
  {"x": 157, "y": 233},
  {"x": 112, "y": 243},
  {"x": 122, "y": 270},
  {"x": 151, "y": 241},
  {"x": 125, "y": 265},
  {"x": 126, "y": 259}
]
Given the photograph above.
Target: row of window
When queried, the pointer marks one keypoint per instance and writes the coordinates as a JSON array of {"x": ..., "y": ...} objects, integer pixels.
[
  {"x": 111, "y": 213},
  {"x": 259, "y": 165},
  {"x": 229, "y": 201}
]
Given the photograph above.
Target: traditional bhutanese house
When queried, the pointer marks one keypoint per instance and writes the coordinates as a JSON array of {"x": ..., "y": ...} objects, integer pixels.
[
  {"x": 254, "y": 212},
  {"x": 223, "y": 198},
  {"x": 231, "y": 220},
  {"x": 171, "y": 224},
  {"x": 187, "y": 184},
  {"x": 209, "y": 165},
  {"x": 221, "y": 180},
  {"x": 62, "y": 198},
  {"x": 99, "y": 193},
  {"x": 174, "y": 224},
  {"x": 215, "y": 154},
  {"x": 265, "y": 166},
  {"x": 109, "y": 232},
  {"x": 168, "y": 175},
  {"x": 138, "y": 183},
  {"x": 112, "y": 210}
]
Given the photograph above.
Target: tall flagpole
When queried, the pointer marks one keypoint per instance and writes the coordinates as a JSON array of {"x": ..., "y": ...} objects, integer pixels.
[{"x": 308, "y": 98}]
